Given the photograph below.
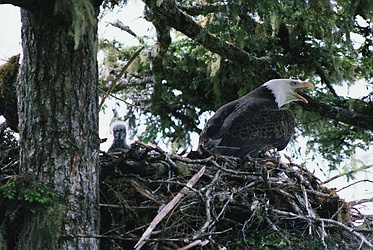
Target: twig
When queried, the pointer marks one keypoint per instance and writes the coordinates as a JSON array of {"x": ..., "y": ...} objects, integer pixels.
[
  {"x": 348, "y": 229},
  {"x": 213, "y": 182},
  {"x": 125, "y": 206},
  {"x": 191, "y": 161},
  {"x": 195, "y": 243},
  {"x": 230, "y": 171},
  {"x": 144, "y": 191},
  {"x": 166, "y": 156},
  {"x": 168, "y": 182},
  {"x": 3, "y": 127},
  {"x": 207, "y": 207},
  {"x": 120, "y": 25},
  {"x": 323, "y": 234},
  {"x": 308, "y": 206},
  {"x": 251, "y": 184},
  {"x": 210, "y": 161},
  {"x": 112, "y": 86},
  {"x": 274, "y": 227},
  {"x": 166, "y": 209},
  {"x": 348, "y": 173},
  {"x": 330, "y": 196},
  {"x": 291, "y": 215},
  {"x": 120, "y": 99},
  {"x": 357, "y": 182},
  {"x": 221, "y": 211},
  {"x": 338, "y": 212},
  {"x": 358, "y": 202},
  {"x": 254, "y": 208}
]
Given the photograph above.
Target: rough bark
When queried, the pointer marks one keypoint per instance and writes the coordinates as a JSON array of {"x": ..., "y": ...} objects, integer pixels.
[{"x": 58, "y": 109}]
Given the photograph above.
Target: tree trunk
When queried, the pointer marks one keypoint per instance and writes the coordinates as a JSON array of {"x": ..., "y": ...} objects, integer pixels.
[{"x": 58, "y": 109}]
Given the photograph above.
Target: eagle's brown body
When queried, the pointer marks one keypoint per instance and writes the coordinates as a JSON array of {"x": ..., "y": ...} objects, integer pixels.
[{"x": 254, "y": 122}]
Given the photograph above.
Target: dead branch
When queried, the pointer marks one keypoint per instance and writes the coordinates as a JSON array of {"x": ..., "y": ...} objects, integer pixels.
[
  {"x": 290, "y": 215},
  {"x": 120, "y": 75},
  {"x": 168, "y": 208},
  {"x": 118, "y": 24},
  {"x": 348, "y": 173},
  {"x": 354, "y": 183}
]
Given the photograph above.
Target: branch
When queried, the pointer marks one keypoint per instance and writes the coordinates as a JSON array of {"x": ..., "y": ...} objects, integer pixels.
[
  {"x": 362, "y": 201},
  {"x": 337, "y": 113},
  {"x": 195, "y": 243},
  {"x": 175, "y": 18},
  {"x": 347, "y": 173},
  {"x": 118, "y": 24},
  {"x": 203, "y": 9},
  {"x": 20, "y": 3},
  {"x": 348, "y": 229},
  {"x": 119, "y": 99},
  {"x": 120, "y": 75},
  {"x": 166, "y": 209},
  {"x": 290, "y": 215},
  {"x": 324, "y": 78}
]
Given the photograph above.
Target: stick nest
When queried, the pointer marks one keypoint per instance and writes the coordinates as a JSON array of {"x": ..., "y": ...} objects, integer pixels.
[
  {"x": 150, "y": 199},
  {"x": 154, "y": 200}
]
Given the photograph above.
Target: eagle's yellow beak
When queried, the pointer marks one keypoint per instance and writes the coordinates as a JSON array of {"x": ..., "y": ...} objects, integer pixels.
[{"x": 302, "y": 86}]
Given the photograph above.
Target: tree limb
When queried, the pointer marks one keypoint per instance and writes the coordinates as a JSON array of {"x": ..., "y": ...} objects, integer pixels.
[
  {"x": 168, "y": 208},
  {"x": 351, "y": 230},
  {"x": 361, "y": 201},
  {"x": 338, "y": 113},
  {"x": 203, "y": 9},
  {"x": 175, "y": 18},
  {"x": 19, "y": 3},
  {"x": 112, "y": 86},
  {"x": 172, "y": 16},
  {"x": 118, "y": 24}
]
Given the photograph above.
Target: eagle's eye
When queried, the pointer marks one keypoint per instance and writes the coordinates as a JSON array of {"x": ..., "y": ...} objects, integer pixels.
[{"x": 293, "y": 84}]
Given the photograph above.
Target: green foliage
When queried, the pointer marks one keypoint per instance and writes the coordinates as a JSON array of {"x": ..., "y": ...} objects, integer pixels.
[
  {"x": 2, "y": 241},
  {"x": 335, "y": 141},
  {"x": 259, "y": 241},
  {"x": 108, "y": 5},
  {"x": 18, "y": 196},
  {"x": 9, "y": 141},
  {"x": 45, "y": 229},
  {"x": 9, "y": 70},
  {"x": 317, "y": 244},
  {"x": 23, "y": 201},
  {"x": 326, "y": 42}
]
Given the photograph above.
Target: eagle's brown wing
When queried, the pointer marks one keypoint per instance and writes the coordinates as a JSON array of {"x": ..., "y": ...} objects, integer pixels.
[{"x": 248, "y": 129}]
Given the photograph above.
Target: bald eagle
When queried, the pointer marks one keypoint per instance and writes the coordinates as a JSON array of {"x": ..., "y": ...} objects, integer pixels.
[
  {"x": 120, "y": 142},
  {"x": 254, "y": 122}
]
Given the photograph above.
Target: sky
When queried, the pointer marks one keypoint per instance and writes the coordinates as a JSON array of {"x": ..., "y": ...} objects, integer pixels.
[
  {"x": 131, "y": 15},
  {"x": 10, "y": 32}
]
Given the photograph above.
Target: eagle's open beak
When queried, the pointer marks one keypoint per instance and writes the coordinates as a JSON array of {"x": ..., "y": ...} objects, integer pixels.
[{"x": 302, "y": 86}]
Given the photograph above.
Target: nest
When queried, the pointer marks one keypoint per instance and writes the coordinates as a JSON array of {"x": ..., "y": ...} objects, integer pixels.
[
  {"x": 154, "y": 200},
  {"x": 151, "y": 199}
]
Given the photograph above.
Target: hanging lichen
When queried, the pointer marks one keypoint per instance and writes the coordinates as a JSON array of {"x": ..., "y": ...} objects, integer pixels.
[{"x": 82, "y": 14}]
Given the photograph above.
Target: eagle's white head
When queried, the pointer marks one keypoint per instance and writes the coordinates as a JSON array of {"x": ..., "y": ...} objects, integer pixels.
[{"x": 285, "y": 90}]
